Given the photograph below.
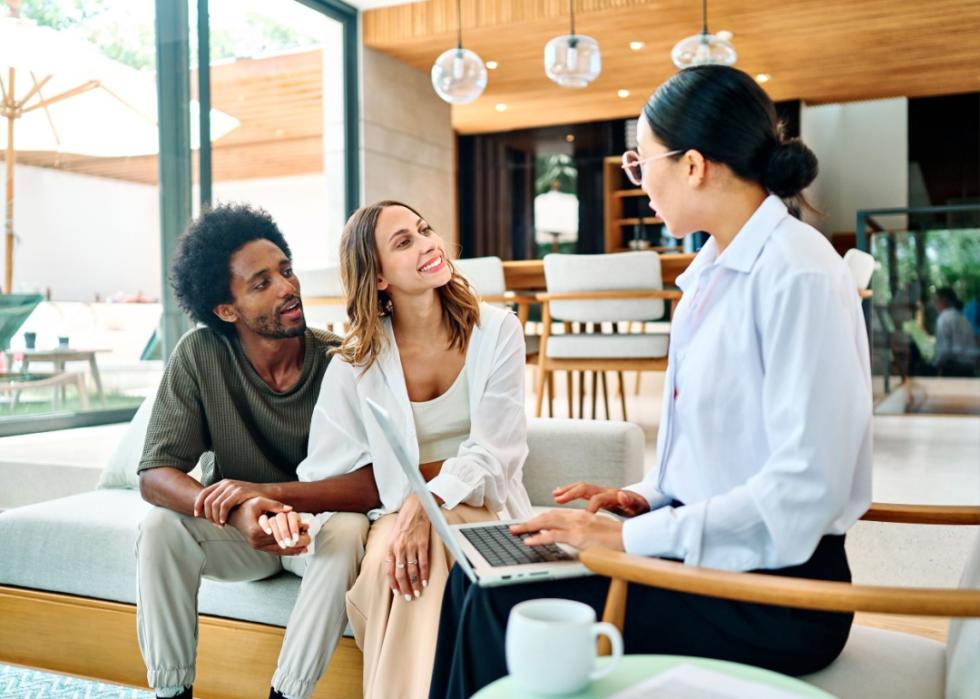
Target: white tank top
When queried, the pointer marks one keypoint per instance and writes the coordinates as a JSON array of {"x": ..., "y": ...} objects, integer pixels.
[{"x": 443, "y": 423}]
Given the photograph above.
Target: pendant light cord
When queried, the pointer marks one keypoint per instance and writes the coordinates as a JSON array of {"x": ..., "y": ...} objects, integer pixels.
[
  {"x": 571, "y": 12},
  {"x": 704, "y": 16},
  {"x": 459, "y": 25}
]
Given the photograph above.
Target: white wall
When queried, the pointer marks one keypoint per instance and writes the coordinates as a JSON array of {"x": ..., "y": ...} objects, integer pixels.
[
  {"x": 302, "y": 207},
  {"x": 407, "y": 141},
  {"x": 863, "y": 152},
  {"x": 80, "y": 235}
]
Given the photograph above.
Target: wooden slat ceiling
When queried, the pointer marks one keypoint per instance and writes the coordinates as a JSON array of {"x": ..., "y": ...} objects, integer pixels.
[
  {"x": 818, "y": 51},
  {"x": 278, "y": 101},
  {"x": 815, "y": 50}
]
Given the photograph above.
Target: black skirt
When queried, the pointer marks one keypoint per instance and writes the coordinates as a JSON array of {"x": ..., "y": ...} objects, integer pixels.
[{"x": 470, "y": 649}]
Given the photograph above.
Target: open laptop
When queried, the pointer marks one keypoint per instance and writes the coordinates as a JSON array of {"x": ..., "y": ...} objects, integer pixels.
[{"x": 486, "y": 551}]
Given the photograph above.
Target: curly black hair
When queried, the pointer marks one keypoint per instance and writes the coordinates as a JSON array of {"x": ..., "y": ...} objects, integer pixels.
[{"x": 201, "y": 273}]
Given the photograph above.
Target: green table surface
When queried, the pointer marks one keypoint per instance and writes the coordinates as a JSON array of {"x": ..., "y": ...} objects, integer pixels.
[{"x": 634, "y": 669}]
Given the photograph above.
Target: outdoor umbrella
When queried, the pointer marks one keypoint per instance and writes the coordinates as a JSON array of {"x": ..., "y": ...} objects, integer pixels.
[{"x": 61, "y": 94}]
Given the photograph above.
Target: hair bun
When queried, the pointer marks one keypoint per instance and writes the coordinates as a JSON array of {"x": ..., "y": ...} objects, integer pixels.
[{"x": 791, "y": 168}]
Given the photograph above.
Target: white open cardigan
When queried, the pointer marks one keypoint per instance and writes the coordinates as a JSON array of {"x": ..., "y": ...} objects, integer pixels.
[{"x": 487, "y": 470}]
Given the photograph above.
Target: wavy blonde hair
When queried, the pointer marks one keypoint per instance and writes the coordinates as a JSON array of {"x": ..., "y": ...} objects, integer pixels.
[{"x": 360, "y": 266}]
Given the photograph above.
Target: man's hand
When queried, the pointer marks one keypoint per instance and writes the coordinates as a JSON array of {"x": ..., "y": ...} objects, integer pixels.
[
  {"x": 216, "y": 502},
  {"x": 615, "y": 500},
  {"x": 245, "y": 518},
  {"x": 574, "y": 527}
]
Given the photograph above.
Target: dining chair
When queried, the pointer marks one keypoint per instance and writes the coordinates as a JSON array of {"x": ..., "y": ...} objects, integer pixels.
[
  {"x": 323, "y": 297},
  {"x": 599, "y": 292},
  {"x": 862, "y": 266}
]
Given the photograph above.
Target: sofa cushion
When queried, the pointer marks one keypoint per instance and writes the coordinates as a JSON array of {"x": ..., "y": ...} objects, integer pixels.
[
  {"x": 85, "y": 545},
  {"x": 963, "y": 653},
  {"x": 564, "y": 451},
  {"x": 120, "y": 470},
  {"x": 879, "y": 664}
]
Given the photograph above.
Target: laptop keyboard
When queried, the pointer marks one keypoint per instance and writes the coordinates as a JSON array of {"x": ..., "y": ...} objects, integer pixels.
[{"x": 501, "y": 548}]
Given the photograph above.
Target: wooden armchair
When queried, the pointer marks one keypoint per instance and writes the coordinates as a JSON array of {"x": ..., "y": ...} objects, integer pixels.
[{"x": 875, "y": 663}]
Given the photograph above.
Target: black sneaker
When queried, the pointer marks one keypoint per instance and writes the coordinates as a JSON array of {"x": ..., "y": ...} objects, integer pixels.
[{"x": 186, "y": 694}]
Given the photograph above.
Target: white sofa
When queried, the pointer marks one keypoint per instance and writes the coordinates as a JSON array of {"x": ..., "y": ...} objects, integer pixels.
[{"x": 66, "y": 564}]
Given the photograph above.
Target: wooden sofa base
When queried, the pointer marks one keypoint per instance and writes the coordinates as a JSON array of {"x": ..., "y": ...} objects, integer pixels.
[{"x": 97, "y": 639}]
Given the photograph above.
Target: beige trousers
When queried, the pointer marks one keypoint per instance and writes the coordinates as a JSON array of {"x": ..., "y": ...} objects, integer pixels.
[
  {"x": 398, "y": 638},
  {"x": 175, "y": 551}
]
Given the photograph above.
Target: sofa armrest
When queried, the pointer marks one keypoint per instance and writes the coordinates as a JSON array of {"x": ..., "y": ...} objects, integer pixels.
[{"x": 565, "y": 451}]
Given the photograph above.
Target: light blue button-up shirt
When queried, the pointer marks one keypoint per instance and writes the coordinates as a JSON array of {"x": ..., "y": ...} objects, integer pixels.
[{"x": 765, "y": 431}]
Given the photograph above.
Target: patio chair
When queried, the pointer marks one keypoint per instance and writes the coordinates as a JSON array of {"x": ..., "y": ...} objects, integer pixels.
[{"x": 17, "y": 383}]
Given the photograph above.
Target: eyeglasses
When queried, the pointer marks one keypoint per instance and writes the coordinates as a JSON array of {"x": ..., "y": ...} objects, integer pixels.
[{"x": 633, "y": 164}]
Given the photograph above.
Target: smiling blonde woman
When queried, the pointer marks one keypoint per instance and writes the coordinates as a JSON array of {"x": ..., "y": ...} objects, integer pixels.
[{"x": 450, "y": 370}]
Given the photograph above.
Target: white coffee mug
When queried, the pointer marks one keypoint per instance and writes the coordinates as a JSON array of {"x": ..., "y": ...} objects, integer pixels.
[{"x": 551, "y": 646}]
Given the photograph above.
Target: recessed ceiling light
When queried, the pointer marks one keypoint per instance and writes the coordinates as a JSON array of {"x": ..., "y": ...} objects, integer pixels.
[
  {"x": 501, "y": 107},
  {"x": 762, "y": 78},
  {"x": 725, "y": 35},
  {"x": 492, "y": 65},
  {"x": 637, "y": 45},
  {"x": 623, "y": 93},
  {"x": 570, "y": 137}
]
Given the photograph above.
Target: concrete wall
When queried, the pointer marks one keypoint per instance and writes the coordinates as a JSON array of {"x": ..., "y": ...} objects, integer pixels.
[
  {"x": 407, "y": 141},
  {"x": 863, "y": 152}
]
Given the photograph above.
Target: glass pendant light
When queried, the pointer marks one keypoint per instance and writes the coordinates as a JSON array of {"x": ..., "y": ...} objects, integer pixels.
[
  {"x": 572, "y": 60},
  {"x": 704, "y": 48},
  {"x": 458, "y": 75}
]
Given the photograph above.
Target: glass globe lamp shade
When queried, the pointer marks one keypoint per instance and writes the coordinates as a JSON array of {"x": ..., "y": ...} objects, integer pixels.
[
  {"x": 459, "y": 76},
  {"x": 572, "y": 61},
  {"x": 703, "y": 49}
]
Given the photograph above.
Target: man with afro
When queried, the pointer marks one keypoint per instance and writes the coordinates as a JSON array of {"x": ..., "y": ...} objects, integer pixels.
[{"x": 237, "y": 396}]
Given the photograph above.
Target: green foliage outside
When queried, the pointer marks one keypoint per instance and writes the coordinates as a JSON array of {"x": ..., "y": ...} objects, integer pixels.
[
  {"x": 555, "y": 168},
  {"x": 948, "y": 258},
  {"x": 41, "y": 402},
  {"x": 127, "y": 36}
]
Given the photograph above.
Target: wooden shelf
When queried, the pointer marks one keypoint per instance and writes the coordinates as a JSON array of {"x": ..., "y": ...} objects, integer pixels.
[
  {"x": 653, "y": 248},
  {"x": 623, "y": 207},
  {"x": 625, "y": 193},
  {"x": 646, "y": 220}
]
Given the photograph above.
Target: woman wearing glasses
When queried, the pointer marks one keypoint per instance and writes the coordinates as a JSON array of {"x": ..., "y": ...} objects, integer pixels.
[{"x": 764, "y": 445}]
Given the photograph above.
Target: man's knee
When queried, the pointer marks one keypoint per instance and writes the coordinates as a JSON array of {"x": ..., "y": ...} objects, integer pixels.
[{"x": 160, "y": 526}]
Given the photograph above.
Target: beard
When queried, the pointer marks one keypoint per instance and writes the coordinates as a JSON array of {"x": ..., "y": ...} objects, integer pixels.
[{"x": 271, "y": 326}]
